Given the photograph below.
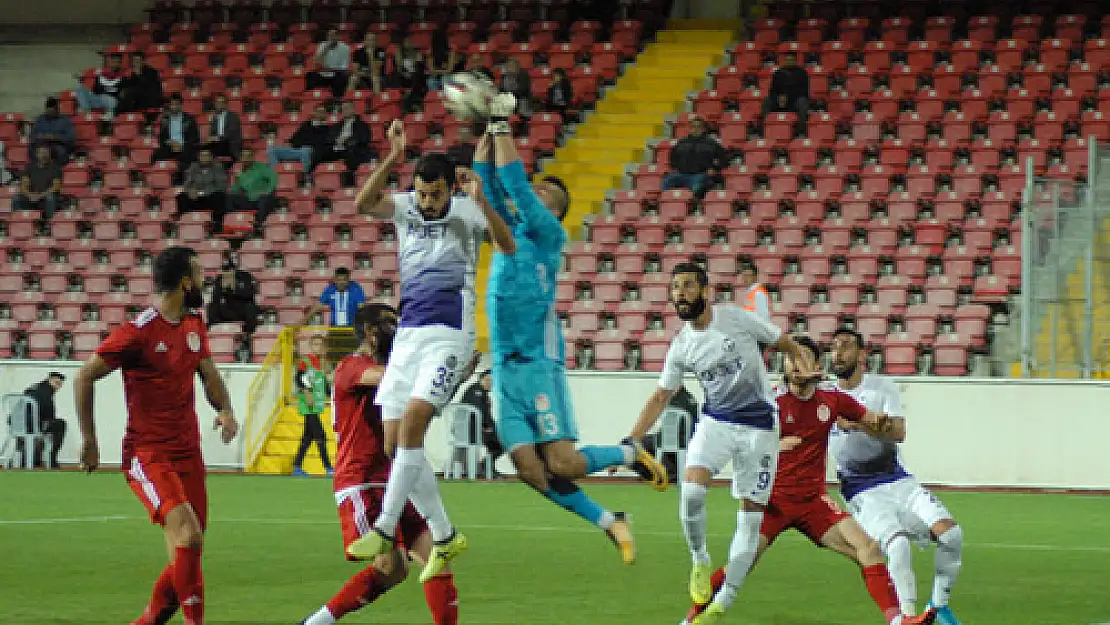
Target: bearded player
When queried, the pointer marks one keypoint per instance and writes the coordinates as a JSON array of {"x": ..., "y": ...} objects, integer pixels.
[
  {"x": 160, "y": 352},
  {"x": 808, "y": 410},
  {"x": 888, "y": 502},
  {"x": 720, "y": 344},
  {"x": 362, "y": 470},
  {"x": 439, "y": 234},
  {"x": 536, "y": 419}
]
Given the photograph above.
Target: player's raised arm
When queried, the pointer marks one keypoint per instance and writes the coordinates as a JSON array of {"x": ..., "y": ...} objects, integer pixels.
[
  {"x": 500, "y": 234},
  {"x": 483, "y": 166},
  {"x": 220, "y": 400},
  {"x": 807, "y": 366},
  {"x": 94, "y": 369},
  {"x": 371, "y": 199}
]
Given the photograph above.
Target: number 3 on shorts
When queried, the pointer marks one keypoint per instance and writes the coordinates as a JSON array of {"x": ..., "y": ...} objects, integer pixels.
[{"x": 763, "y": 480}]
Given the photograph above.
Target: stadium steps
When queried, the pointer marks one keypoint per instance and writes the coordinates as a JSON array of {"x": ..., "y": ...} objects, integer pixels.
[
  {"x": 281, "y": 446},
  {"x": 593, "y": 161}
]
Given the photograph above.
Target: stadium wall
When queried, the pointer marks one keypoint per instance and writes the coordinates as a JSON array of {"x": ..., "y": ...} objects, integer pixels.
[
  {"x": 962, "y": 432},
  {"x": 56, "y": 12}
]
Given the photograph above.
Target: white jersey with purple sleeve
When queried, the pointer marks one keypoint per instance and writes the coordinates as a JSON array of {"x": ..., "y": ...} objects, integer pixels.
[{"x": 863, "y": 461}]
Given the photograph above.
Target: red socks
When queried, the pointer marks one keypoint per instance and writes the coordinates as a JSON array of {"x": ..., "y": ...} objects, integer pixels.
[
  {"x": 881, "y": 590},
  {"x": 188, "y": 585},
  {"x": 718, "y": 579},
  {"x": 357, "y": 592},
  {"x": 443, "y": 599},
  {"x": 163, "y": 601}
]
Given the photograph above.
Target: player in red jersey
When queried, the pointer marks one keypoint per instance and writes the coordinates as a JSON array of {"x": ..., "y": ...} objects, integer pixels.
[
  {"x": 362, "y": 467},
  {"x": 807, "y": 412},
  {"x": 160, "y": 352}
]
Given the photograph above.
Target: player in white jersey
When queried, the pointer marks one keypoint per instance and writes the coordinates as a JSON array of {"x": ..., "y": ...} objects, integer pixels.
[
  {"x": 720, "y": 344},
  {"x": 888, "y": 502},
  {"x": 439, "y": 234}
]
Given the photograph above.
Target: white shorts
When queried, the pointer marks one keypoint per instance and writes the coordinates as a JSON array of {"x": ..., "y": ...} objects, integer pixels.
[
  {"x": 754, "y": 454},
  {"x": 901, "y": 507},
  {"x": 425, "y": 364}
]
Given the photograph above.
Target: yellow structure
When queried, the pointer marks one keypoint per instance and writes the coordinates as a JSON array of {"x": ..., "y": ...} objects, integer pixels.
[{"x": 634, "y": 111}]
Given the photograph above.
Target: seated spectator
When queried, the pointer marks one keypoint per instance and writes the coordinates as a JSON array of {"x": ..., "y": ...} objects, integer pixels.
[
  {"x": 205, "y": 187},
  {"x": 41, "y": 185},
  {"x": 178, "y": 135},
  {"x": 55, "y": 131},
  {"x": 444, "y": 60},
  {"x": 462, "y": 152},
  {"x": 348, "y": 140},
  {"x": 478, "y": 395},
  {"x": 225, "y": 131},
  {"x": 253, "y": 190},
  {"x": 696, "y": 160},
  {"x": 105, "y": 91},
  {"x": 233, "y": 299},
  {"x": 368, "y": 65},
  {"x": 51, "y": 426},
  {"x": 789, "y": 92},
  {"x": 142, "y": 89},
  {"x": 5, "y": 175},
  {"x": 310, "y": 139},
  {"x": 342, "y": 296},
  {"x": 333, "y": 59},
  {"x": 474, "y": 63},
  {"x": 410, "y": 72},
  {"x": 560, "y": 95},
  {"x": 517, "y": 81}
]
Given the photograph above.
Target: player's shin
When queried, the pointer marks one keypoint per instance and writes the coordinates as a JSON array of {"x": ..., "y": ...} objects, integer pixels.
[
  {"x": 443, "y": 599},
  {"x": 692, "y": 513},
  {"x": 948, "y": 559},
  {"x": 360, "y": 590},
  {"x": 881, "y": 589},
  {"x": 599, "y": 458},
  {"x": 188, "y": 585},
  {"x": 163, "y": 601},
  {"x": 567, "y": 495},
  {"x": 408, "y": 467},
  {"x": 425, "y": 496},
  {"x": 741, "y": 554},
  {"x": 899, "y": 555}
]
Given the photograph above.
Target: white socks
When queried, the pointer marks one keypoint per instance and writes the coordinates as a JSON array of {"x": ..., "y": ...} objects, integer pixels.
[
  {"x": 692, "y": 513},
  {"x": 425, "y": 497},
  {"x": 406, "y": 471},
  {"x": 323, "y": 617},
  {"x": 900, "y": 565},
  {"x": 741, "y": 554},
  {"x": 948, "y": 559}
]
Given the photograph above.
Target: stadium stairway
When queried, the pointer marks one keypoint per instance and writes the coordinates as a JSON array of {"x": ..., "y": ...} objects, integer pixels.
[
  {"x": 281, "y": 445},
  {"x": 593, "y": 160}
]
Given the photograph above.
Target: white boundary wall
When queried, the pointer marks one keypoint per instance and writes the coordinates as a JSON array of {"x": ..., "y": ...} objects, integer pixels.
[{"x": 962, "y": 432}]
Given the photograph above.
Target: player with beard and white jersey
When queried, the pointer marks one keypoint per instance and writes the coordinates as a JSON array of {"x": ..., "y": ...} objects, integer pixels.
[
  {"x": 439, "y": 234},
  {"x": 887, "y": 501},
  {"x": 720, "y": 345}
]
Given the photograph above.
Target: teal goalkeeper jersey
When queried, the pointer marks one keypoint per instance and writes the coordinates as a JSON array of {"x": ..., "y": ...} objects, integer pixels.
[{"x": 520, "y": 300}]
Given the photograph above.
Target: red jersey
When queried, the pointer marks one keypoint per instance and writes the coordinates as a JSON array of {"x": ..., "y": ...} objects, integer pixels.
[
  {"x": 159, "y": 362},
  {"x": 360, "y": 457},
  {"x": 801, "y": 471}
]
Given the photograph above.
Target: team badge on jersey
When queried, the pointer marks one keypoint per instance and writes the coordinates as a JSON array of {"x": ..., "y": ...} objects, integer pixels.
[
  {"x": 543, "y": 404},
  {"x": 193, "y": 341},
  {"x": 789, "y": 418},
  {"x": 824, "y": 413}
]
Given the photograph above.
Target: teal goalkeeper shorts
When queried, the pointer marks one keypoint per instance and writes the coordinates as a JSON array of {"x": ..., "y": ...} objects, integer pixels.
[{"x": 533, "y": 403}]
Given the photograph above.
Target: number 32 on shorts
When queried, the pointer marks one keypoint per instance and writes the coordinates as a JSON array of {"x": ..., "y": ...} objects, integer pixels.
[{"x": 445, "y": 375}]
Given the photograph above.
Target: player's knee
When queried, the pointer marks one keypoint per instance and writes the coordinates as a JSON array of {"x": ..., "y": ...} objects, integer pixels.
[
  {"x": 561, "y": 464},
  {"x": 697, "y": 475},
  {"x": 530, "y": 470},
  {"x": 392, "y": 569},
  {"x": 943, "y": 527},
  {"x": 693, "y": 499},
  {"x": 868, "y": 553},
  {"x": 952, "y": 538}
]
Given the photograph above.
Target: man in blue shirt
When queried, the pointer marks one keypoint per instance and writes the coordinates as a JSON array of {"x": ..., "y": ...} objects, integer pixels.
[
  {"x": 342, "y": 296},
  {"x": 537, "y": 423}
]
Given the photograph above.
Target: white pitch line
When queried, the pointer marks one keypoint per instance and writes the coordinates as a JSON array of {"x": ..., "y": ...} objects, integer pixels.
[{"x": 52, "y": 521}]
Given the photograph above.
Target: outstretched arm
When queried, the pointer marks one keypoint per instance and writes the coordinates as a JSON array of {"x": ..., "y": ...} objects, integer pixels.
[
  {"x": 543, "y": 225},
  {"x": 483, "y": 166},
  {"x": 371, "y": 199}
]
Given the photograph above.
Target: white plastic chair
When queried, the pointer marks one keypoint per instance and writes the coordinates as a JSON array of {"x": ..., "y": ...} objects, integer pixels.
[
  {"x": 17, "y": 407},
  {"x": 674, "y": 422},
  {"x": 464, "y": 436}
]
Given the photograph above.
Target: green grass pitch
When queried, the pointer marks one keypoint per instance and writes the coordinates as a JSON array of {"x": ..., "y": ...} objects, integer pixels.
[{"x": 79, "y": 549}]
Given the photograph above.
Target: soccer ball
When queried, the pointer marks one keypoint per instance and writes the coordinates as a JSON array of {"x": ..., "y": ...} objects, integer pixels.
[{"x": 468, "y": 95}]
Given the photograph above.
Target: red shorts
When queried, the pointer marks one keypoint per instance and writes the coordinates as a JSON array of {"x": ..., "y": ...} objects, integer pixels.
[
  {"x": 359, "y": 508},
  {"x": 163, "y": 484},
  {"x": 814, "y": 518}
]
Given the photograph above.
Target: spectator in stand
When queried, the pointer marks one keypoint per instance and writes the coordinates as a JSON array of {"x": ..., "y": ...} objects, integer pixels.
[
  {"x": 333, "y": 59},
  {"x": 55, "y": 131},
  {"x": 348, "y": 140},
  {"x": 410, "y": 73},
  {"x": 474, "y": 63},
  {"x": 789, "y": 92},
  {"x": 105, "y": 91},
  {"x": 560, "y": 95},
  {"x": 462, "y": 152},
  {"x": 253, "y": 190},
  {"x": 225, "y": 130},
  {"x": 5, "y": 175},
  {"x": 445, "y": 60},
  {"x": 233, "y": 298},
  {"x": 310, "y": 139},
  {"x": 517, "y": 81},
  {"x": 368, "y": 65},
  {"x": 205, "y": 187},
  {"x": 178, "y": 135},
  {"x": 41, "y": 185},
  {"x": 142, "y": 89},
  {"x": 696, "y": 160},
  {"x": 478, "y": 396},
  {"x": 51, "y": 426},
  {"x": 756, "y": 299},
  {"x": 342, "y": 296}
]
